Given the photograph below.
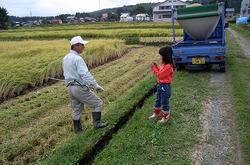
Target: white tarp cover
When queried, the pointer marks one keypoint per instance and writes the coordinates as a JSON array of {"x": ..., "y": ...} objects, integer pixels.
[{"x": 199, "y": 28}]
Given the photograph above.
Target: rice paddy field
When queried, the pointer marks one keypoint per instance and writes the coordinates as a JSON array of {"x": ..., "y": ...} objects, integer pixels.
[
  {"x": 41, "y": 120},
  {"x": 36, "y": 121},
  {"x": 89, "y": 31},
  {"x": 35, "y": 111},
  {"x": 29, "y": 63}
]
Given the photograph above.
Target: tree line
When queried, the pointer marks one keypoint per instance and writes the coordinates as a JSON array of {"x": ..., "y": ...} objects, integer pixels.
[{"x": 4, "y": 19}]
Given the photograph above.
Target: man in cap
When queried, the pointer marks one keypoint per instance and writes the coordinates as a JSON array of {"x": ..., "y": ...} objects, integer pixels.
[{"x": 79, "y": 82}]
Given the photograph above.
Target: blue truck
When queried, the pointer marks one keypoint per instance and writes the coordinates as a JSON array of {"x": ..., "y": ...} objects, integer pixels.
[{"x": 203, "y": 42}]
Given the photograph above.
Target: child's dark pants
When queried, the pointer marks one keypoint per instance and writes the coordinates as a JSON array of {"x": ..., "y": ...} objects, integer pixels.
[{"x": 163, "y": 94}]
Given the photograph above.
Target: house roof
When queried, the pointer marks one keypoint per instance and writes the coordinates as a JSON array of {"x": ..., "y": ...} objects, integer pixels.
[
  {"x": 142, "y": 15},
  {"x": 230, "y": 9},
  {"x": 170, "y": 1},
  {"x": 125, "y": 15}
]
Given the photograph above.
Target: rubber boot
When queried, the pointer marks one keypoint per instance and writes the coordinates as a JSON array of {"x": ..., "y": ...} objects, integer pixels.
[
  {"x": 77, "y": 126},
  {"x": 97, "y": 120},
  {"x": 156, "y": 113},
  {"x": 165, "y": 117}
]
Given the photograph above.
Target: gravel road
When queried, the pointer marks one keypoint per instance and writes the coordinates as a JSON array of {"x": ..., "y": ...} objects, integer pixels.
[{"x": 219, "y": 141}]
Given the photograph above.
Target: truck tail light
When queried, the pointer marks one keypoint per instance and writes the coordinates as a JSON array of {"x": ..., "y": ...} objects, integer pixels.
[
  {"x": 219, "y": 57},
  {"x": 178, "y": 59}
]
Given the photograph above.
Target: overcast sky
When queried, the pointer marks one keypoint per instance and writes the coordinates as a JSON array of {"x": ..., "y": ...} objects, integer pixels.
[{"x": 55, "y": 7}]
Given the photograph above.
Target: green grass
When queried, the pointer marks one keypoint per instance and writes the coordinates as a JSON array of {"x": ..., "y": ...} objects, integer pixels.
[
  {"x": 239, "y": 67},
  {"x": 242, "y": 30},
  {"x": 143, "y": 141}
]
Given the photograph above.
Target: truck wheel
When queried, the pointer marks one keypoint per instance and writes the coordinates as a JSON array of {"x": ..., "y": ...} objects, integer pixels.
[
  {"x": 179, "y": 66},
  {"x": 222, "y": 67}
]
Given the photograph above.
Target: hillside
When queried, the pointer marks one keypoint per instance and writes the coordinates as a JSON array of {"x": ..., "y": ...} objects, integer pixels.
[{"x": 132, "y": 9}]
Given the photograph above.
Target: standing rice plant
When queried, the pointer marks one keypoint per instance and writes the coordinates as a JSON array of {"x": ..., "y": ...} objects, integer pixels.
[
  {"x": 31, "y": 63},
  {"x": 97, "y": 26},
  {"x": 105, "y": 33}
]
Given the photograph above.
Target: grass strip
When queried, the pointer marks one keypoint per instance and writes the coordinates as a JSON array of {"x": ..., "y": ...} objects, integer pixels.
[
  {"x": 82, "y": 144},
  {"x": 242, "y": 29},
  {"x": 240, "y": 76},
  {"x": 144, "y": 141}
]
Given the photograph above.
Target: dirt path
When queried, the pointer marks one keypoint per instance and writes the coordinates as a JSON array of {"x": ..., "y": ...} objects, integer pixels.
[
  {"x": 219, "y": 142},
  {"x": 244, "y": 44}
]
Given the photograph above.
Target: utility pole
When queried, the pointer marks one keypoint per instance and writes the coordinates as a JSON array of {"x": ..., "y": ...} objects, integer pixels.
[
  {"x": 172, "y": 17},
  {"x": 99, "y": 4}
]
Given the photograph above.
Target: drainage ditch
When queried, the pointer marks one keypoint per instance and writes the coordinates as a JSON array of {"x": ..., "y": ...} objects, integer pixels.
[{"x": 100, "y": 145}]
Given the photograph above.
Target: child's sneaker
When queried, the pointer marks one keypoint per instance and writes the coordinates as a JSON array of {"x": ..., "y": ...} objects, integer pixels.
[
  {"x": 165, "y": 118},
  {"x": 157, "y": 113}
]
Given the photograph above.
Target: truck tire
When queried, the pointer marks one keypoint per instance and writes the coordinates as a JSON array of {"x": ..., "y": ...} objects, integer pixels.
[
  {"x": 222, "y": 67},
  {"x": 179, "y": 66}
]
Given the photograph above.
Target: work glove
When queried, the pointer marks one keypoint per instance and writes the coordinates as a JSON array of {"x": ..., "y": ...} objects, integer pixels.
[{"x": 98, "y": 88}]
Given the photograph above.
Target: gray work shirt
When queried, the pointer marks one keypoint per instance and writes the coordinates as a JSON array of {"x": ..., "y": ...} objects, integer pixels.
[{"x": 74, "y": 68}]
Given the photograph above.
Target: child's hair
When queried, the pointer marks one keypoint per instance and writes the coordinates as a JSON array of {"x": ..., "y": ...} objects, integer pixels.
[{"x": 166, "y": 53}]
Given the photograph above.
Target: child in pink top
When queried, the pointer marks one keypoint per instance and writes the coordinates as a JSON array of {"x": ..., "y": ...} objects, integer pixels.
[{"x": 164, "y": 75}]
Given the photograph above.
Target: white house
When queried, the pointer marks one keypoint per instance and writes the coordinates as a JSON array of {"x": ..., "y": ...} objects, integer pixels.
[
  {"x": 162, "y": 11},
  {"x": 245, "y": 8},
  {"x": 230, "y": 14},
  {"x": 71, "y": 19},
  {"x": 142, "y": 17},
  {"x": 125, "y": 17}
]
